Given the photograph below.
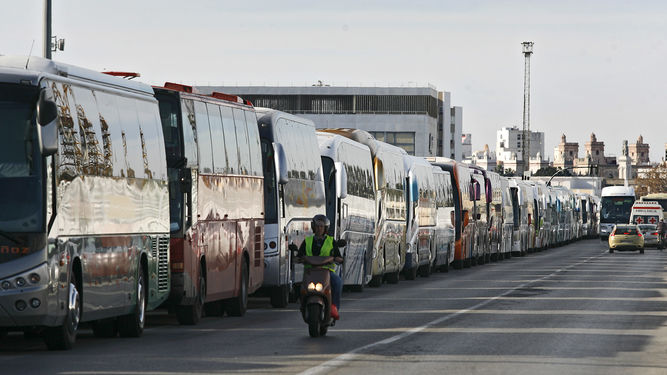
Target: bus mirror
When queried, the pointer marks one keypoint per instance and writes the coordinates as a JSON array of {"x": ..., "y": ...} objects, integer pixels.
[
  {"x": 477, "y": 191},
  {"x": 478, "y": 216},
  {"x": 414, "y": 189},
  {"x": 47, "y": 116},
  {"x": 280, "y": 161},
  {"x": 341, "y": 180}
]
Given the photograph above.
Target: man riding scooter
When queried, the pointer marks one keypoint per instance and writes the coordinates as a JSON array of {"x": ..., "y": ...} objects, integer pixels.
[{"x": 321, "y": 244}]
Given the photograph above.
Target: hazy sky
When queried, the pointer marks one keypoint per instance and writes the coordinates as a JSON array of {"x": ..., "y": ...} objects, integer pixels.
[{"x": 598, "y": 66}]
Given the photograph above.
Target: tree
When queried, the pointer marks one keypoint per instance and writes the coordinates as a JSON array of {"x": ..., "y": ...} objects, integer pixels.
[
  {"x": 653, "y": 181},
  {"x": 550, "y": 171}
]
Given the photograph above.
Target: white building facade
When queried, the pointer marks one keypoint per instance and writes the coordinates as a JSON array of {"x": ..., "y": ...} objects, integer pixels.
[{"x": 408, "y": 117}]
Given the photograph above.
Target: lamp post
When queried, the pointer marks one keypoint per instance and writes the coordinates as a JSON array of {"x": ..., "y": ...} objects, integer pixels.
[{"x": 525, "y": 154}]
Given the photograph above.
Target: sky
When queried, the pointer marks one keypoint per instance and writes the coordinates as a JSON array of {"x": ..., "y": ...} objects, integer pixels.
[{"x": 598, "y": 66}]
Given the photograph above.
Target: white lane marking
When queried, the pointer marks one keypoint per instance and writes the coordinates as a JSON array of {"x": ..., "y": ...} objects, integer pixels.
[{"x": 342, "y": 359}]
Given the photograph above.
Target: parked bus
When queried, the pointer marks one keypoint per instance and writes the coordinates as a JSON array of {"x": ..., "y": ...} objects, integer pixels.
[
  {"x": 444, "y": 238},
  {"x": 494, "y": 198},
  {"x": 616, "y": 204},
  {"x": 348, "y": 180},
  {"x": 507, "y": 219},
  {"x": 464, "y": 228},
  {"x": 84, "y": 213},
  {"x": 481, "y": 214},
  {"x": 389, "y": 249},
  {"x": 293, "y": 193},
  {"x": 216, "y": 201},
  {"x": 421, "y": 217},
  {"x": 661, "y": 198}
]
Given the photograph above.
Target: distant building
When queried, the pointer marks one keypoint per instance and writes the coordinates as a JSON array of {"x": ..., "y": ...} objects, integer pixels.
[
  {"x": 565, "y": 153},
  {"x": 638, "y": 152},
  {"x": 466, "y": 146},
  {"x": 418, "y": 119},
  {"x": 485, "y": 159},
  {"x": 509, "y": 147}
]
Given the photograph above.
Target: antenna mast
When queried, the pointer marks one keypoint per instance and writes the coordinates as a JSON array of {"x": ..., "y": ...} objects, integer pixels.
[{"x": 525, "y": 153}]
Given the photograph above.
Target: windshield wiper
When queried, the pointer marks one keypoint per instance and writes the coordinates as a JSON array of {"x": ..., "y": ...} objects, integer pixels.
[{"x": 11, "y": 238}]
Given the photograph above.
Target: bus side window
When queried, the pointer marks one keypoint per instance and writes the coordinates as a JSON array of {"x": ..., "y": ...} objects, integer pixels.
[
  {"x": 217, "y": 139},
  {"x": 203, "y": 138},
  {"x": 242, "y": 139},
  {"x": 230, "y": 139},
  {"x": 253, "y": 143}
]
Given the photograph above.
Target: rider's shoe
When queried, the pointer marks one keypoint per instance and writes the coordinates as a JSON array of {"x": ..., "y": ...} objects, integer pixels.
[{"x": 334, "y": 312}]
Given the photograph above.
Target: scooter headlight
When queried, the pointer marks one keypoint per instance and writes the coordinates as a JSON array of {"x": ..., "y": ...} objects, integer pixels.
[
  {"x": 311, "y": 286},
  {"x": 318, "y": 287}
]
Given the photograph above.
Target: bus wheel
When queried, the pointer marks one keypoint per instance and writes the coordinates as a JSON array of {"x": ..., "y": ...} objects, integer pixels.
[
  {"x": 191, "y": 314},
  {"x": 280, "y": 296},
  {"x": 238, "y": 305},
  {"x": 132, "y": 325},
  {"x": 376, "y": 281},
  {"x": 63, "y": 337}
]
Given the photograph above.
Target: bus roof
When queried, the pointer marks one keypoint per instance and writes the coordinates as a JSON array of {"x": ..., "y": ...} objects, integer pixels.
[
  {"x": 611, "y": 191},
  {"x": 34, "y": 68}
]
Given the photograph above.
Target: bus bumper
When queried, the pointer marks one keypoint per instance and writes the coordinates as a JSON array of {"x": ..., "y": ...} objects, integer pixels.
[{"x": 33, "y": 303}]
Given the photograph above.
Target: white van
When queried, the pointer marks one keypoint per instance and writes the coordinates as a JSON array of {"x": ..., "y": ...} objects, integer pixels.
[{"x": 645, "y": 212}]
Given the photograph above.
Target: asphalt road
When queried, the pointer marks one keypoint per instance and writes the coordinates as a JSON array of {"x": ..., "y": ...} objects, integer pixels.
[{"x": 571, "y": 310}]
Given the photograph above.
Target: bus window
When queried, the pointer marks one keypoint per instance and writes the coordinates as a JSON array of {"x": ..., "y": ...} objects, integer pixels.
[
  {"x": 242, "y": 139},
  {"x": 230, "y": 139},
  {"x": 203, "y": 139},
  {"x": 132, "y": 139},
  {"x": 172, "y": 135},
  {"x": 253, "y": 140},
  {"x": 89, "y": 131},
  {"x": 217, "y": 139},
  {"x": 189, "y": 140},
  {"x": 152, "y": 142}
]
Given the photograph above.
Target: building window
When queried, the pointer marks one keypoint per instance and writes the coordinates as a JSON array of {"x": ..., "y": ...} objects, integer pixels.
[
  {"x": 642, "y": 154},
  {"x": 597, "y": 152},
  {"x": 571, "y": 153},
  {"x": 452, "y": 128},
  {"x": 404, "y": 140}
]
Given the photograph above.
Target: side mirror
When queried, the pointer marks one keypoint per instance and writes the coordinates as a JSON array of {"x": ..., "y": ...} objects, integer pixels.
[
  {"x": 280, "y": 163},
  {"x": 47, "y": 116},
  {"x": 341, "y": 180},
  {"x": 414, "y": 188},
  {"x": 478, "y": 216},
  {"x": 292, "y": 247},
  {"x": 341, "y": 243},
  {"x": 185, "y": 179}
]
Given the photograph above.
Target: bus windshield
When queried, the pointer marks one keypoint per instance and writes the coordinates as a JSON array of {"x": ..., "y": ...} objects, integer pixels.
[
  {"x": 20, "y": 161},
  {"x": 616, "y": 209}
]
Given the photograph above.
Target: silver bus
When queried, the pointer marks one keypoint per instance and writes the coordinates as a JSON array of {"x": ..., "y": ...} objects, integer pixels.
[
  {"x": 85, "y": 207},
  {"x": 293, "y": 194},
  {"x": 389, "y": 249},
  {"x": 445, "y": 237},
  {"x": 348, "y": 180},
  {"x": 421, "y": 217}
]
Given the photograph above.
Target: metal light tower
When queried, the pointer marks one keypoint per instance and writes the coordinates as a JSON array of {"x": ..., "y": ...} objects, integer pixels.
[{"x": 525, "y": 154}]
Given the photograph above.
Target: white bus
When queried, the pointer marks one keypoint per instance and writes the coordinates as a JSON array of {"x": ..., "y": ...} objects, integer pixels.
[
  {"x": 348, "y": 180},
  {"x": 293, "y": 193},
  {"x": 616, "y": 205},
  {"x": 85, "y": 203},
  {"x": 421, "y": 217}
]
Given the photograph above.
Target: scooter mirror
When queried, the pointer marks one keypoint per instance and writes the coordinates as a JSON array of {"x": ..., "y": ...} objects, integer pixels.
[
  {"x": 293, "y": 247},
  {"x": 341, "y": 243}
]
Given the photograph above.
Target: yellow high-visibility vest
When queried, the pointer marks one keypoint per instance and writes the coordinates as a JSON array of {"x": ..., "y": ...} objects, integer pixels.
[{"x": 325, "y": 251}]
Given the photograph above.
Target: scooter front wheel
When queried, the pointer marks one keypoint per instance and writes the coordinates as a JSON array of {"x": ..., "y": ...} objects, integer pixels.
[{"x": 314, "y": 312}]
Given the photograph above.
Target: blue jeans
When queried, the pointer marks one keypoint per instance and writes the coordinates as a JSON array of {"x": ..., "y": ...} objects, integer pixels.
[{"x": 336, "y": 288}]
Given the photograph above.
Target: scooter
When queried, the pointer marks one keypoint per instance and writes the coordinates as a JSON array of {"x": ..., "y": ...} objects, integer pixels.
[{"x": 316, "y": 296}]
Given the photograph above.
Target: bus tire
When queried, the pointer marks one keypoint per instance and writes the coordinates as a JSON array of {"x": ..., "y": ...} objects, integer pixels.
[
  {"x": 132, "y": 325},
  {"x": 238, "y": 305},
  {"x": 191, "y": 314},
  {"x": 63, "y": 337},
  {"x": 376, "y": 281},
  {"x": 280, "y": 296}
]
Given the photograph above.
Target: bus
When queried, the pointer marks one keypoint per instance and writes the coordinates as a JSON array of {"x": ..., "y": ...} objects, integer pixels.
[
  {"x": 348, "y": 180},
  {"x": 444, "y": 238},
  {"x": 389, "y": 248},
  {"x": 421, "y": 217},
  {"x": 464, "y": 221},
  {"x": 293, "y": 193},
  {"x": 615, "y": 207},
  {"x": 494, "y": 199},
  {"x": 216, "y": 201},
  {"x": 661, "y": 198},
  {"x": 84, "y": 213}
]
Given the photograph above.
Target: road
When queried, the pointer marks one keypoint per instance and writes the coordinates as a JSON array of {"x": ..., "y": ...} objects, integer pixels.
[{"x": 571, "y": 310}]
